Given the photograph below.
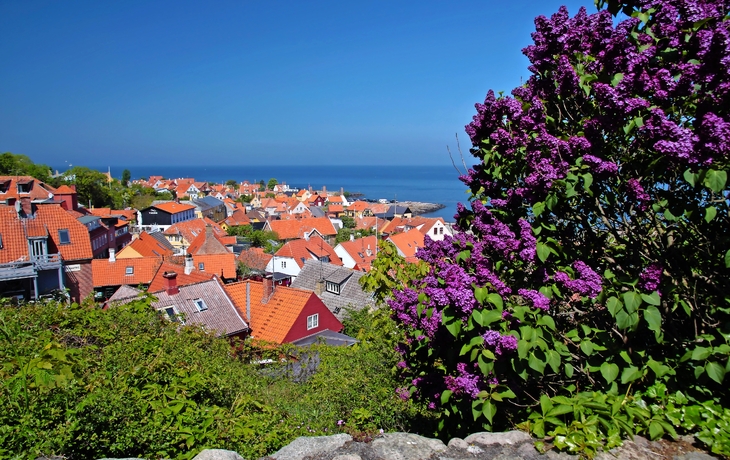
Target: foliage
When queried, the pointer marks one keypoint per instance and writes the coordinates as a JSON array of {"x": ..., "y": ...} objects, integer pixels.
[
  {"x": 594, "y": 262},
  {"x": 84, "y": 382},
  {"x": 258, "y": 238},
  {"x": 231, "y": 183},
  {"x": 272, "y": 183},
  {"x": 348, "y": 222},
  {"x": 21, "y": 165},
  {"x": 126, "y": 177}
]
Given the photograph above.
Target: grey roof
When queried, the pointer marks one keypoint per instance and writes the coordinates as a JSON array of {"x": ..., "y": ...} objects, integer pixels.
[
  {"x": 160, "y": 238},
  {"x": 351, "y": 293},
  {"x": 220, "y": 316},
  {"x": 328, "y": 337},
  {"x": 86, "y": 219},
  {"x": 392, "y": 211},
  {"x": 317, "y": 211},
  {"x": 207, "y": 202}
]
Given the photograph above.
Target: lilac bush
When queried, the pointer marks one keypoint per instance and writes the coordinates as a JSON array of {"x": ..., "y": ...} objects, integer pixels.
[{"x": 594, "y": 253}]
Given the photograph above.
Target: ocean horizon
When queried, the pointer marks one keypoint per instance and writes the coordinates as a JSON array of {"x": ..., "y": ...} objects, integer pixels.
[{"x": 430, "y": 184}]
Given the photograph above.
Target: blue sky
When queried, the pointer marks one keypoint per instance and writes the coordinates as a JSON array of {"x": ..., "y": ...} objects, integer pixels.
[{"x": 240, "y": 82}]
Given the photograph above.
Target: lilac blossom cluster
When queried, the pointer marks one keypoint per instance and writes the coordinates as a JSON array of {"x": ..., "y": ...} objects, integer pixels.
[
  {"x": 650, "y": 278},
  {"x": 498, "y": 343},
  {"x": 587, "y": 283}
]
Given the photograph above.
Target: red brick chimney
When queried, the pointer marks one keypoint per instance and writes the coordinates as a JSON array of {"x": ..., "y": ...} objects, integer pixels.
[
  {"x": 268, "y": 289},
  {"x": 171, "y": 285}
]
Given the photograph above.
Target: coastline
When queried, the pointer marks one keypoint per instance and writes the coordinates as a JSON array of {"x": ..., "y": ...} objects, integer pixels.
[{"x": 419, "y": 207}]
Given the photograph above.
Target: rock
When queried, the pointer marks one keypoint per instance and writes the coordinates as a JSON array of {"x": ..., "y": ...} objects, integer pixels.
[
  {"x": 406, "y": 446},
  {"x": 217, "y": 454},
  {"x": 311, "y": 446},
  {"x": 509, "y": 437},
  {"x": 458, "y": 443},
  {"x": 347, "y": 457}
]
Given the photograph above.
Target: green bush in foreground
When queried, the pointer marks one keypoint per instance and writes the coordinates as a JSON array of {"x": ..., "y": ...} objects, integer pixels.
[{"x": 123, "y": 382}]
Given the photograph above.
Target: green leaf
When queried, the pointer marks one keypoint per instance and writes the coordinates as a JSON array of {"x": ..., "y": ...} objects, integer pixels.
[
  {"x": 614, "y": 305},
  {"x": 653, "y": 318},
  {"x": 545, "y": 404},
  {"x": 569, "y": 370},
  {"x": 587, "y": 181},
  {"x": 701, "y": 353},
  {"x": 553, "y": 359},
  {"x": 652, "y": 299},
  {"x": 656, "y": 430},
  {"x": 715, "y": 371},
  {"x": 727, "y": 259},
  {"x": 480, "y": 294},
  {"x": 586, "y": 346},
  {"x": 496, "y": 300},
  {"x": 538, "y": 208},
  {"x": 715, "y": 180},
  {"x": 630, "y": 374},
  {"x": 536, "y": 363},
  {"x": 617, "y": 79},
  {"x": 548, "y": 321},
  {"x": 632, "y": 300},
  {"x": 543, "y": 252},
  {"x": 622, "y": 320},
  {"x": 609, "y": 371},
  {"x": 690, "y": 177},
  {"x": 445, "y": 395},
  {"x": 489, "y": 410},
  {"x": 710, "y": 214}
]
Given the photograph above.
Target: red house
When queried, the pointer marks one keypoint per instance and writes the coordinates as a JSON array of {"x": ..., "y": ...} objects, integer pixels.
[{"x": 281, "y": 314}]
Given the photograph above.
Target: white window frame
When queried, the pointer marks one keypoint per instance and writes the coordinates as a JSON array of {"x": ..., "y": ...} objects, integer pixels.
[
  {"x": 129, "y": 270},
  {"x": 334, "y": 288},
  {"x": 200, "y": 304},
  {"x": 313, "y": 321},
  {"x": 170, "y": 313}
]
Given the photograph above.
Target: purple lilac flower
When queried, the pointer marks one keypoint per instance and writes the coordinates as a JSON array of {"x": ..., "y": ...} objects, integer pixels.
[
  {"x": 402, "y": 393},
  {"x": 528, "y": 245},
  {"x": 587, "y": 282},
  {"x": 537, "y": 299},
  {"x": 650, "y": 278}
]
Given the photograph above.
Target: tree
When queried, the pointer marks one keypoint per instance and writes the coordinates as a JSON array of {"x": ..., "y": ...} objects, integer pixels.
[
  {"x": 231, "y": 183},
  {"x": 92, "y": 186},
  {"x": 126, "y": 177},
  {"x": 596, "y": 253},
  {"x": 262, "y": 186},
  {"x": 348, "y": 222},
  {"x": 272, "y": 183},
  {"x": 21, "y": 165}
]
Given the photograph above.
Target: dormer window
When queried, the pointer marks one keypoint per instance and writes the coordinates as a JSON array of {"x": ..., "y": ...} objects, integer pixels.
[
  {"x": 201, "y": 266},
  {"x": 200, "y": 304},
  {"x": 24, "y": 187},
  {"x": 63, "y": 236},
  {"x": 129, "y": 271},
  {"x": 334, "y": 288},
  {"x": 4, "y": 185}
]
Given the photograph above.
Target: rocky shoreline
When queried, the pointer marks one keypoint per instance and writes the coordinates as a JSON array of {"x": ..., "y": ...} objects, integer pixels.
[{"x": 418, "y": 207}]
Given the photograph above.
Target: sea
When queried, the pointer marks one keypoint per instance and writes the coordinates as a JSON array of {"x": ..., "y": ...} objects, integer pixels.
[{"x": 430, "y": 184}]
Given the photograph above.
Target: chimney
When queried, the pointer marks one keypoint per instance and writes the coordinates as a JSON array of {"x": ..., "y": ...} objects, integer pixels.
[
  {"x": 319, "y": 287},
  {"x": 369, "y": 252},
  {"x": 324, "y": 190},
  {"x": 248, "y": 303},
  {"x": 352, "y": 237},
  {"x": 112, "y": 255},
  {"x": 268, "y": 289},
  {"x": 171, "y": 286},
  {"x": 27, "y": 206},
  {"x": 188, "y": 264}
]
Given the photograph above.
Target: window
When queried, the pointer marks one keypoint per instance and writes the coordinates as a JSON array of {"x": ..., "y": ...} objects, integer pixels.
[
  {"x": 283, "y": 264},
  {"x": 313, "y": 321},
  {"x": 200, "y": 304},
  {"x": 24, "y": 187},
  {"x": 334, "y": 288},
  {"x": 63, "y": 236},
  {"x": 129, "y": 271},
  {"x": 441, "y": 230},
  {"x": 201, "y": 266},
  {"x": 1, "y": 240},
  {"x": 435, "y": 231},
  {"x": 172, "y": 314}
]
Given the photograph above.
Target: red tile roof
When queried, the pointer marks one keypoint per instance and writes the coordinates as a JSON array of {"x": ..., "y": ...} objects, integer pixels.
[
  {"x": 303, "y": 250},
  {"x": 270, "y": 321},
  {"x": 291, "y": 229},
  {"x": 159, "y": 282},
  {"x": 106, "y": 273},
  {"x": 255, "y": 258},
  {"x": 362, "y": 250},
  {"x": 147, "y": 246},
  {"x": 191, "y": 229},
  {"x": 173, "y": 208},
  {"x": 223, "y": 265},
  {"x": 38, "y": 191},
  {"x": 408, "y": 242}
]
